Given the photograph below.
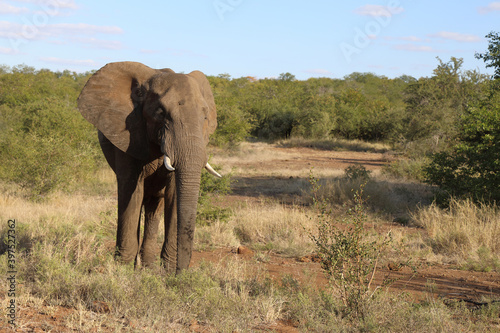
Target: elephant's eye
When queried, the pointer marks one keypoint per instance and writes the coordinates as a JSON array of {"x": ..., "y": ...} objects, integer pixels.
[
  {"x": 160, "y": 113},
  {"x": 205, "y": 111}
]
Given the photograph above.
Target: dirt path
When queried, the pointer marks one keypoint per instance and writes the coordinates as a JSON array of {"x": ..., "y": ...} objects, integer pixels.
[
  {"x": 270, "y": 178},
  {"x": 428, "y": 281}
]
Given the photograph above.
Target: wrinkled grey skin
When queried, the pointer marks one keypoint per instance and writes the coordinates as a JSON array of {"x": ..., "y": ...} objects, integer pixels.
[{"x": 143, "y": 114}]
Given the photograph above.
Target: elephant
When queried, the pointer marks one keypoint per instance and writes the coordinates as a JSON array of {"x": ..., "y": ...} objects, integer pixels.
[{"x": 153, "y": 128}]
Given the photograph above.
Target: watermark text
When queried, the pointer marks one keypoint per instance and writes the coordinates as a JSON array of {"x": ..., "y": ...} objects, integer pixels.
[
  {"x": 11, "y": 272},
  {"x": 224, "y": 6}
]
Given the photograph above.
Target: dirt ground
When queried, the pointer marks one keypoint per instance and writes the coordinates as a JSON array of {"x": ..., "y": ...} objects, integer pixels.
[
  {"x": 429, "y": 280},
  {"x": 264, "y": 181}
]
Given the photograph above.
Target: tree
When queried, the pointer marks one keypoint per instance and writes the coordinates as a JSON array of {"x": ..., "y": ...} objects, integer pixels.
[
  {"x": 492, "y": 57},
  {"x": 286, "y": 77},
  {"x": 472, "y": 167},
  {"x": 434, "y": 106}
]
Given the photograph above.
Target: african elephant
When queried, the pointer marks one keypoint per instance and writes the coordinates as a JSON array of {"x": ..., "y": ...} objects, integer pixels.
[{"x": 153, "y": 128}]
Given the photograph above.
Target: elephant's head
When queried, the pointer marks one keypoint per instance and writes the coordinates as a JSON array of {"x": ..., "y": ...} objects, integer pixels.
[
  {"x": 134, "y": 105},
  {"x": 148, "y": 113}
]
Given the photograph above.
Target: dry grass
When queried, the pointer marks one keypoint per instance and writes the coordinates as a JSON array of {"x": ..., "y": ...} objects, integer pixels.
[
  {"x": 335, "y": 144},
  {"x": 247, "y": 152},
  {"x": 462, "y": 231},
  {"x": 268, "y": 226},
  {"x": 272, "y": 226},
  {"x": 68, "y": 259},
  {"x": 393, "y": 199},
  {"x": 61, "y": 208}
]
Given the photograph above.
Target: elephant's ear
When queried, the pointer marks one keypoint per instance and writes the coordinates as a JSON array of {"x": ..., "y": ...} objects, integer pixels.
[
  {"x": 111, "y": 100},
  {"x": 206, "y": 91}
]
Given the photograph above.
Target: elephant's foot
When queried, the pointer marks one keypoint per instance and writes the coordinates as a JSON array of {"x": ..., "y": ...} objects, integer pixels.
[
  {"x": 147, "y": 259},
  {"x": 125, "y": 257},
  {"x": 169, "y": 257},
  {"x": 169, "y": 263},
  {"x": 170, "y": 267}
]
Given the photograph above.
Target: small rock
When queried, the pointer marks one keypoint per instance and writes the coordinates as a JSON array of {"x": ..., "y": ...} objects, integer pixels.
[
  {"x": 305, "y": 259},
  {"x": 393, "y": 267},
  {"x": 245, "y": 251},
  {"x": 310, "y": 258},
  {"x": 100, "y": 307}
]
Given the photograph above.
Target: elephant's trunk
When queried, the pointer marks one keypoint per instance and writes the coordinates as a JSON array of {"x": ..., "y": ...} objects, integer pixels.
[
  {"x": 188, "y": 188},
  {"x": 188, "y": 160}
]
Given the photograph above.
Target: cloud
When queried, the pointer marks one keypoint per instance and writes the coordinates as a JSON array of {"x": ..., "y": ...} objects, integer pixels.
[
  {"x": 414, "y": 48},
  {"x": 9, "y": 9},
  {"x": 8, "y": 50},
  {"x": 467, "y": 38},
  {"x": 10, "y": 30},
  {"x": 378, "y": 10},
  {"x": 82, "y": 29},
  {"x": 61, "y": 33},
  {"x": 34, "y": 31},
  {"x": 492, "y": 7},
  {"x": 70, "y": 62},
  {"x": 53, "y": 4},
  {"x": 406, "y": 38}
]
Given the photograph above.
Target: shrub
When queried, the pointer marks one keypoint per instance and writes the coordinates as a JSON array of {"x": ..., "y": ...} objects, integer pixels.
[
  {"x": 472, "y": 167},
  {"x": 47, "y": 145},
  {"x": 348, "y": 255},
  {"x": 357, "y": 171},
  {"x": 207, "y": 212}
]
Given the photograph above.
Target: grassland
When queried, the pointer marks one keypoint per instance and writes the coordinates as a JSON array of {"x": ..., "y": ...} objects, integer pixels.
[{"x": 67, "y": 279}]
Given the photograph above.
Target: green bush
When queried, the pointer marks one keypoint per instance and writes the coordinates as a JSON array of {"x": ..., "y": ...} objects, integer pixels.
[
  {"x": 45, "y": 144},
  {"x": 357, "y": 172},
  {"x": 411, "y": 169},
  {"x": 232, "y": 123},
  {"x": 472, "y": 167},
  {"x": 348, "y": 254},
  {"x": 363, "y": 106},
  {"x": 434, "y": 106},
  {"x": 207, "y": 211}
]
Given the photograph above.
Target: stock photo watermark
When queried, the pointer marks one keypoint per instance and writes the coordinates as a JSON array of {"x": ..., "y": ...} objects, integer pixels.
[
  {"x": 33, "y": 25},
  {"x": 381, "y": 18},
  {"x": 225, "y": 6},
  {"x": 11, "y": 272}
]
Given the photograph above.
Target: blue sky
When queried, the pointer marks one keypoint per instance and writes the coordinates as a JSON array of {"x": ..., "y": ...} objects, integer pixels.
[{"x": 316, "y": 38}]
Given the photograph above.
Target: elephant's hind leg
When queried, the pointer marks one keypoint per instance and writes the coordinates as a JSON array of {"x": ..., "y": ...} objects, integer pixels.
[{"x": 153, "y": 208}]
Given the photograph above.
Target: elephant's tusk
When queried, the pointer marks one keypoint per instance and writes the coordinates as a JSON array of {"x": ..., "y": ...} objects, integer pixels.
[
  {"x": 168, "y": 163},
  {"x": 212, "y": 171}
]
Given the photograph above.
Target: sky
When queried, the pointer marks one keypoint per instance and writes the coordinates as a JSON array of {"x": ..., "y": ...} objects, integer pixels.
[{"x": 316, "y": 38}]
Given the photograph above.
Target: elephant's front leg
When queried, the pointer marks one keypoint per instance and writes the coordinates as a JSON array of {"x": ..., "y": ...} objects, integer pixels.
[
  {"x": 169, "y": 249},
  {"x": 153, "y": 208},
  {"x": 130, "y": 197}
]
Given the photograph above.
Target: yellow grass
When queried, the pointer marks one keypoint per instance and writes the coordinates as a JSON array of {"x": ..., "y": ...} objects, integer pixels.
[
  {"x": 69, "y": 231},
  {"x": 61, "y": 207},
  {"x": 335, "y": 144},
  {"x": 462, "y": 230},
  {"x": 276, "y": 227}
]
